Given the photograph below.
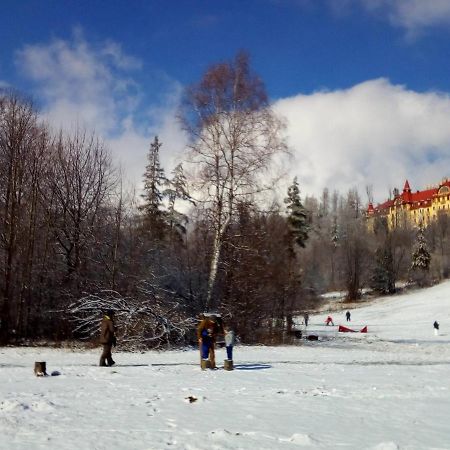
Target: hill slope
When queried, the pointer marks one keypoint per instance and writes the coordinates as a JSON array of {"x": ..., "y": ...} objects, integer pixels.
[
  {"x": 384, "y": 390},
  {"x": 402, "y": 317}
]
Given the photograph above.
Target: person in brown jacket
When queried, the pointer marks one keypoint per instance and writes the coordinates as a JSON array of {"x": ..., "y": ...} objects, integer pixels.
[
  {"x": 207, "y": 333},
  {"x": 107, "y": 338}
]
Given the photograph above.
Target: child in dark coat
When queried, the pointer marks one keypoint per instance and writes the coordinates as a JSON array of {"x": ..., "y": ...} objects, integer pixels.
[{"x": 436, "y": 327}]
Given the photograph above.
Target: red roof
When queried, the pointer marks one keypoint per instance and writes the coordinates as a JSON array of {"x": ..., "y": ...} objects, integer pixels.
[
  {"x": 419, "y": 199},
  {"x": 406, "y": 187},
  {"x": 422, "y": 198}
]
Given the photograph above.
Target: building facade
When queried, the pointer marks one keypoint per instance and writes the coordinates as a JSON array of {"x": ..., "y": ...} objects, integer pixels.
[{"x": 414, "y": 209}]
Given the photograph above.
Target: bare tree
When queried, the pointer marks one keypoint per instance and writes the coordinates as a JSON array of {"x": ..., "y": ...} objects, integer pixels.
[
  {"x": 234, "y": 137},
  {"x": 354, "y": 244},
  {"x": 18, "y": 135},
  {"x": 80, "y": 180}
]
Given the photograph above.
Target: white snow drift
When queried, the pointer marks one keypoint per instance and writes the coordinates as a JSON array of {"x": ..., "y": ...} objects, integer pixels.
[{"x": 387, "y": 389}]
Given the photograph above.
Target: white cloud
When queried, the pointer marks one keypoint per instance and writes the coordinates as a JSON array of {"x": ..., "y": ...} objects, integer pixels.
[
  {"x": 374, "y": 133},
  {"x": 412, "y": 15},
  {"x": 92, "y": 86}
]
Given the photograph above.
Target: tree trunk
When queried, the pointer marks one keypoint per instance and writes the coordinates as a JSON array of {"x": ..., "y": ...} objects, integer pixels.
[{"x": 217, "y": 246}]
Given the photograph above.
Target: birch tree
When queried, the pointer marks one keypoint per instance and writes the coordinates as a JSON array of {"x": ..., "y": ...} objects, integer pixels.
[{"x": 234, "y": 136}]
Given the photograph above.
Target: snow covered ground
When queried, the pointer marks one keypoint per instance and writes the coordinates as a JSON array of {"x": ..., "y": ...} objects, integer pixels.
[{"x": 383, "y": 390}]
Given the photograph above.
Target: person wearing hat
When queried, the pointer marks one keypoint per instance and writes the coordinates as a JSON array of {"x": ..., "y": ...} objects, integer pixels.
[
  {"x": 107, "y": 338},
  {"x": 207, "y": 333}
]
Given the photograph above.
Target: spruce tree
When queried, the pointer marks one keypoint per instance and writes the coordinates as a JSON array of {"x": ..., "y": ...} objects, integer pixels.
[
  {"x": 177, "y": 190},
  {"x": 297, "y": 216},
  {"x": 154, "y": 180},
  {"x": 383, "y": 277},
  {"x": 421, "y": 258}
]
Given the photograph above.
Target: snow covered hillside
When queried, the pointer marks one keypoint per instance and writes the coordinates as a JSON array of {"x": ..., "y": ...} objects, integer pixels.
[{"x": 387, "y": 389}]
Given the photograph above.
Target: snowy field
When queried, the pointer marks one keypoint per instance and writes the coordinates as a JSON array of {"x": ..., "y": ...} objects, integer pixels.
[{"x": 388, "y": 389}]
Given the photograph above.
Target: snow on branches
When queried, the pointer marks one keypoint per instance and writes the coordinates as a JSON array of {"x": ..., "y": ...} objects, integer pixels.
[{"x": 150, "y": 318}]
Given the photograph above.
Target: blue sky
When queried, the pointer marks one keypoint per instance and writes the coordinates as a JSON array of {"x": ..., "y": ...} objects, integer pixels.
[{"x": 363, "y": 84}]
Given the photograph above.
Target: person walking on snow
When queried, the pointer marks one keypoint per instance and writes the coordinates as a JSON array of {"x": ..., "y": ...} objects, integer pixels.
[
  {"x": 329, "y": 321},
  {"x": 347, "y": 316},
  {"x": 107, "y": 338},
  {"x": 306, "y": 318},
  {"x": 436, "y": 328}
]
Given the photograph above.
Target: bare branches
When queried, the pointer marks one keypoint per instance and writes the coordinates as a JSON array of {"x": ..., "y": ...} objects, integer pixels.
[
  {"x": 234, "y": 138},
  {"x": 150, "y": 318}
]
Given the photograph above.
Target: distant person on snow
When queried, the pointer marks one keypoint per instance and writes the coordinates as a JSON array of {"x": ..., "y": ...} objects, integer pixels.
[
  {"x": 436, "y": 327},
  {"x": 329, "y": 321},
  {"x": 306, "y": 318},
  {"x": 347, "y": 316},
  {"x": 107, "y": 338}
]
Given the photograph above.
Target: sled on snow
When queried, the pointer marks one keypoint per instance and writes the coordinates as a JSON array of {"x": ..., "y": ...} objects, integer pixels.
[{"x": 343, "y": 329}]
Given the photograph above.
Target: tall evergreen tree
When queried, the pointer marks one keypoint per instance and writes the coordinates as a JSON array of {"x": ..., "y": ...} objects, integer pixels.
[
  {"x": 177, "y": 190},
  {"x": 383, "y": 277},
  {"x": 154, "y": 180},
  {"x": 297, "y": 216},
  {"x": 421, "y": 257}
]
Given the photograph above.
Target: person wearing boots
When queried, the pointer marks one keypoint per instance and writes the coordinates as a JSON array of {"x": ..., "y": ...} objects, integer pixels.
[
  {"x": 230, "y": 340},
  {"x": 207, "y": 332},
  {"x": 107, "y": 338}
]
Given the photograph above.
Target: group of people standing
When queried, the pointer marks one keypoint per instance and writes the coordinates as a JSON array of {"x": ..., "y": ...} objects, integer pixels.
[
  {"x": 207, "y": 331},
  {"x": 209, "y": 328}
]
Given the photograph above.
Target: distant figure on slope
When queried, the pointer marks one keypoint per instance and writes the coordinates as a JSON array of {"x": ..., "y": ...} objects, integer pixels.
[
  {"x": 306, "y": 318},
  {"x": 230, "y": 340},
  {"x": 107, "y": 338},
  {"x": 436, "y": 328},
  {"x": 347, "y": 316},
  {"x": 329, "y": 321}
]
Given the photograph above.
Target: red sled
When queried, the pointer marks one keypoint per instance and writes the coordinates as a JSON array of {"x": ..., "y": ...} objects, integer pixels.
[{"x": 343, "y": 329}]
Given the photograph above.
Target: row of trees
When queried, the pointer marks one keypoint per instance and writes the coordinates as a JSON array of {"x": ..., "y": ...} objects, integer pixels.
[
  {"x": 73, "y": 243},
  {"x": 343, "y": 254}
]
